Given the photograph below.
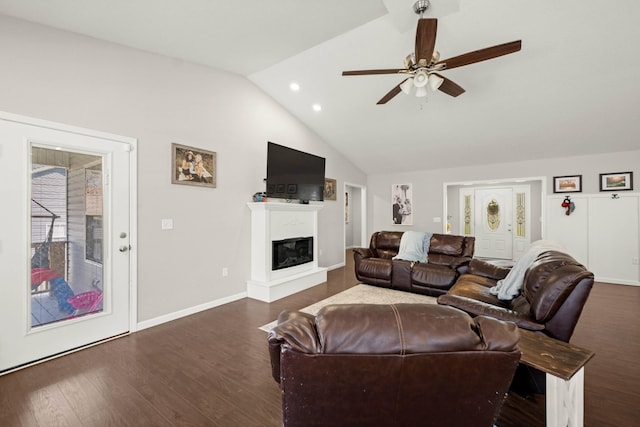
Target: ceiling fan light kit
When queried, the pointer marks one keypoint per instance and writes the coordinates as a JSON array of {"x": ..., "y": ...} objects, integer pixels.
[
  {"x": 435, "y": 81},
  {"x": 421, "y": 91},
  {"x": 423, "y": 64},
  {"x": 407, "y": 85}
]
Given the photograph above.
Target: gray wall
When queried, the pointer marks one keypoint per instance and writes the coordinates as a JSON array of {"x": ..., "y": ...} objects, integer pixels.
[
  {"x": 76, "y": 80},
  {"x": 428, "y": 184}
]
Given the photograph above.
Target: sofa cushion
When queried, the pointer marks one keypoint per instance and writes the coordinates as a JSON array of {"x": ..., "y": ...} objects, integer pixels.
[
  {"x": 477, "y": 288},
  {"x": 433, "y": 276},
  {"x": 446, "y": 244},
  {"x": 386, "y": 243},
  {"x": 485, "y": 269},
  {"x": 442, "y": 259},
  {"x": 377, "y": 268}
]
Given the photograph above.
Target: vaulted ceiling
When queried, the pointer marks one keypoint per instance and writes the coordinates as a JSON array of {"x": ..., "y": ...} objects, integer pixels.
[{"x": 572, "y": 89}]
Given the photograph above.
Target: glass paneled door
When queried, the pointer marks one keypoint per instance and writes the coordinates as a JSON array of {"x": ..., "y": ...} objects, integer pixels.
[{"x": 65, "y": 244}]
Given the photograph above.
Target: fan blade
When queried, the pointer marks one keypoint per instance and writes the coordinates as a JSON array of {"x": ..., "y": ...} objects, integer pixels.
[
  {"x": 481, "y": 55},
  {"x": 393, "y": 92},
  {"x": 365, "y": 72},
  {"x": 425, "y": 40},
  {"x": 449, "y": 87}
]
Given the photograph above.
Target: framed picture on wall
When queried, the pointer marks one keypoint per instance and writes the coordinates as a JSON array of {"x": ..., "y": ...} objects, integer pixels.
[
  {"x": 567, "y": 184},
  {"x": 401, "y": 203},
  {"x": 616, "y": 181},
  {"x": 330, "y": 189},
  {"x": 193, "y": 166}
]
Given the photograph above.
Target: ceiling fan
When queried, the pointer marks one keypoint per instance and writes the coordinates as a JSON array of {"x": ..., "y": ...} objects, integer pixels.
[{"x": 423, "y": 66}]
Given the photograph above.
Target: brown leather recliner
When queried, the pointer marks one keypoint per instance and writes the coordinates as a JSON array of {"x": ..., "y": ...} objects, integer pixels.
[
  {"x": 392, "y": 365},
  {"x": 447, "y": 259},
  {"x": 555, "y": 289}
]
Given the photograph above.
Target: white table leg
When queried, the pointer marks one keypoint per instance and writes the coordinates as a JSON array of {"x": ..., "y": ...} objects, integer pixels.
[{"x": 565, "y": 401}]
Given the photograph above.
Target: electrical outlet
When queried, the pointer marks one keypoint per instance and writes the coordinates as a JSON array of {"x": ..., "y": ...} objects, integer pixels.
[
  {"x": 635, "y": 261},
  {"x": 225, "y": 271},
  {"x": 167, "y": 224},
  {"x": 320, "y": 252}
]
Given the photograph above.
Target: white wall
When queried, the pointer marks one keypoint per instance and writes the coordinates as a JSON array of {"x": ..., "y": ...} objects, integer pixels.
[
  {"x": 76, "y": 80},
  {"x": 428, "y": 183},
  {"x": 428, "y": 186}
]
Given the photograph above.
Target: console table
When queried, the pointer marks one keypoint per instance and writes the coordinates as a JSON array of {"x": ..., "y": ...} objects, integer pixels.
[{"x": 563, "y": 364}]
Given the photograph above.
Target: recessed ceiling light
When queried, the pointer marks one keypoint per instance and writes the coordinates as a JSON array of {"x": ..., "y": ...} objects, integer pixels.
[
  {"x": 316, "y": 107},
  {"x": 294, "y": 86}
]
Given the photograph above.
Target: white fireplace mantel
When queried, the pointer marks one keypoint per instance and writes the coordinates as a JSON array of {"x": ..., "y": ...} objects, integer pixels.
[{"x": 272, "y": 221}]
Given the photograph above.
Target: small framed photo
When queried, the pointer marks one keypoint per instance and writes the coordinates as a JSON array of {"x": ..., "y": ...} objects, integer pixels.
[
  {"x": 616, "y": 181},
  {"x": 567, "y": 184},
  {"x": 330, "y": 189},
  {"x": 193, "y": 166}
]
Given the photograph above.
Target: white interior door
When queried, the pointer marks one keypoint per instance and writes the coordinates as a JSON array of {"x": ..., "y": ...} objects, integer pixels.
[
  {"x": 88, "y": 277},
  {"x": 493, "y": 223}
]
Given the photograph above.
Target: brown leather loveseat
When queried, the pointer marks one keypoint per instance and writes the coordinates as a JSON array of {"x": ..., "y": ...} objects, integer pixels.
[
  {"x": 448, "y": 258},
  {"x": 392, "y": 365}
]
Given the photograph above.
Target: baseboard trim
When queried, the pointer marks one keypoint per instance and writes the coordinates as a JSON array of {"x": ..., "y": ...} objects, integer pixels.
[
  {"x": 336, "y": 266},
  {"x": 617, "y": 281},
  {"x": 188, "y": 311}
]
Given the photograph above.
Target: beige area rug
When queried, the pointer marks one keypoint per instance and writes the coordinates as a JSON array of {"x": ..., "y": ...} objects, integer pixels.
[{"x": 364, "y": 294}]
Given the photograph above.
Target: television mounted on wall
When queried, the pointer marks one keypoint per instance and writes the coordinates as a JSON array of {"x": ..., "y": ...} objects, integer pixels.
[{"x": 294, "y": 174}]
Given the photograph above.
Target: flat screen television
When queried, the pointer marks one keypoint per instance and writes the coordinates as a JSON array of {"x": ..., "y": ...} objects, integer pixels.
[{"x": 294, "y": 174}]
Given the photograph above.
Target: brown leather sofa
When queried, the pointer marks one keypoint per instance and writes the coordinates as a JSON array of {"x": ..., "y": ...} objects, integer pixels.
[
  {"x": 447, "y": 259},
  {"x": 392, "y": 365},
  {"x": 555, "y": 289}
]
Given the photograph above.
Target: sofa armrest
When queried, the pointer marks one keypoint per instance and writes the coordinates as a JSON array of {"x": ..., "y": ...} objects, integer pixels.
[
  {"x": 362, "y": 253},
  {"x": 295, "y": 330},
  {"x": 485, "y": 269},
  {"x": 479, "y": 308},
  {"x": 461, "y": 262}
]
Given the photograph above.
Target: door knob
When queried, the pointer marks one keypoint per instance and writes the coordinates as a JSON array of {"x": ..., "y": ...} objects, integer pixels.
[{"x": 125, "y": 248}]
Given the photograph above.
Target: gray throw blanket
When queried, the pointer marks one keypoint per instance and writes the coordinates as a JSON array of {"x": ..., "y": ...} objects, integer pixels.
[
  {"x": 510, "y": 287},
  {"x": 414, "y": 246}
]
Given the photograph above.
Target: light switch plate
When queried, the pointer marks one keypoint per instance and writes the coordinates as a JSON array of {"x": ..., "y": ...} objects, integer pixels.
[{"x": 167, "y": 224}]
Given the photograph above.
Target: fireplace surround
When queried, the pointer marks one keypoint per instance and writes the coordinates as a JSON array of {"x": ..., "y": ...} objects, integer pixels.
[{"x": 277, "y": 274}]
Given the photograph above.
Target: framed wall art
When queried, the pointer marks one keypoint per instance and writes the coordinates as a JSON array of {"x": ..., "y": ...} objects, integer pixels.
[
  {"x": 330, "y": 189},
  {"x": 616, "y": 181},
  {"x": 567, "y": 184},
  {"x": 401, "y": 202},
  {"x": 193, "y": 166}
]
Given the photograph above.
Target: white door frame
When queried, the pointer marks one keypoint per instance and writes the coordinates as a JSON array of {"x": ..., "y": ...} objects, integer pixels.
[
  {"x": 133, "y": 231},
  {"x": 513, "y": 182},
  {"x": 363, "y": 215}
]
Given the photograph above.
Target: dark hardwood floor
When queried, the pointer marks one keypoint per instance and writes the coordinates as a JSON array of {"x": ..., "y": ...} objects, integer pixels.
[{"x": 212, "y": 369}]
